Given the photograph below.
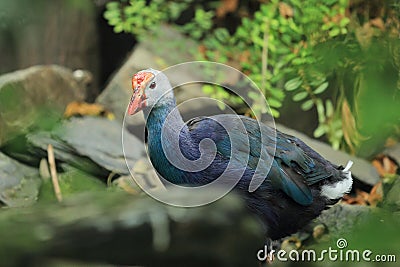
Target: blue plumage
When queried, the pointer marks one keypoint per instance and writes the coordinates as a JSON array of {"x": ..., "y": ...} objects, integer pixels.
[{"x": 298, "y": 186}]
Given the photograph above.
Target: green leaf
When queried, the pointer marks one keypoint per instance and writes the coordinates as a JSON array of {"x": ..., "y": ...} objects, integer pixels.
[
  {"x": 275, "y": 113},
  {"x": 307, "y": 105},
  {"x": 326, "y": 26},
  {"x": 320, "y": 89},
  {"x": 344, "y": 22},
  {"x": 208, "y": 89},
  {"x": 253, "y": 95},
  {"x": 320, "y": 111},
  {"x": 293, "y": 84},
  {"x": 222, "y": 34},
  {"x": 118, "y": 28},
  {"x": 335, "y": 144},
  {"x": 317, "y": 79},
  {"x": 334, "y": 32},
  {"x": 221, "y": 105},
  {"x": 272, "y": 102},
  {"x": 277, "y": 93},
  {"x": 300, "y": 96},
  {"x": 298, "y": 61},
  {"x": 112, "y": 5},
  {"x": 320, "y": 131},
  {"x": 336, "y": 124},
  {"x": 329, "y": 108}
]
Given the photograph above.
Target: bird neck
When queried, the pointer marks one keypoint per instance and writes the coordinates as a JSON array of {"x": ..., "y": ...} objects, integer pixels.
[
  {"x": 156, "y": 119},
  {"x": 164, "y": 123}
]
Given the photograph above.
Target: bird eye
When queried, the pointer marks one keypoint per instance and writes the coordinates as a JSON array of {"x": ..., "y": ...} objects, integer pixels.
[{"x": 152, "y": 85}]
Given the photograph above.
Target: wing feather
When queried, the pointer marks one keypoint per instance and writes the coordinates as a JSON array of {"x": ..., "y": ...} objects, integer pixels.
[{"x": 294, "y": 166}]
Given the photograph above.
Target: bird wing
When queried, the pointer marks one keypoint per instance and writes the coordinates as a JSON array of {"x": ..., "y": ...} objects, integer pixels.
[{"x": 294, "y": 165}]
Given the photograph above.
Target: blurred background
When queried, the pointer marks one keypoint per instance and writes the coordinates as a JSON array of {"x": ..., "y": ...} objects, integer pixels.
[
  {"x": 330, "y": 71},
  {"x": 310, "y": 58}
]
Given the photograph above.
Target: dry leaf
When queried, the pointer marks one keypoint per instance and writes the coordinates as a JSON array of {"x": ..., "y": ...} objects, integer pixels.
[
  {"x": 127, "y": 184},
  {"x": 351, "y": 135},
  {"x": 389, "y": 165},
  {"x": 337, "y": 18},
  {"x": 390, "y": 142},
  {"x": 226, "y": 6},
  {"x": 378, "y": 166},
  {"x": 361, "y": 198},
  {"x": 82, "y": 108},
  {"x": 291, "y": 243},
  {"x": 384, "y": 165},
  {"x": 364, "y": 34},
  {"x": 285, "y": 10},
  {"x": 202, "y": 50},
  {"x": 302, "y": 44},
  {"x": 244, "y": 56},
  {"x": 378, "y": 22},
  {"x": 376, "y": 194},
  {"x": 318, "y": 231}
]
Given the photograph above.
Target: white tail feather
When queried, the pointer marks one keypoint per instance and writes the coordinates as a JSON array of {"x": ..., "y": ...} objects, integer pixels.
[
  {"x": 337, "y": 190},
  {"x": 348, "y": 166}
]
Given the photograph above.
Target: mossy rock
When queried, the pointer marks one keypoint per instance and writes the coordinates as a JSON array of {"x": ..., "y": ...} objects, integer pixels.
[{"x": 72, "y": 181}]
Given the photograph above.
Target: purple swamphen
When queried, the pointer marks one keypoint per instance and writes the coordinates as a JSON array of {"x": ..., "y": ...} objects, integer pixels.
[{"x": 298, "y": 184}]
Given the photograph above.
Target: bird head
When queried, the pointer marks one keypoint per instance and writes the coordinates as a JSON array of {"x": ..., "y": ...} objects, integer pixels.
[{"x": 151, "y": 88}]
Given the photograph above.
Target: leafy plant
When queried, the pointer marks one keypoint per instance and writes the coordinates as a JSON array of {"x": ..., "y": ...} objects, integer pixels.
[
  {"x": 315, "y": 51},
  {"x": 283, "y": 36},
  {"x": 139, "y": 17}
]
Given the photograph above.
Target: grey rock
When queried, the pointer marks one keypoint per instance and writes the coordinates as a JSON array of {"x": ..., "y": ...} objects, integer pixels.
[
  {"x": 35, "y": 33},
  {"x": 361, "y": 169},
  {"x": 91, "y": 143},
  {"x": 38, "y": 142},
  {"x": 341, "y": 218},
  {"x": 392, "y": 196},
  {"x": 127, "y": 184},
  {"x": 24, "y": 93},
  {"x": 19, "y": 184},
  {"x": 393, "y": 152},
  {"x": 144, "y": 175},
  {"x": 44, "y": 170},
  {"x": 101, "y": 140}
]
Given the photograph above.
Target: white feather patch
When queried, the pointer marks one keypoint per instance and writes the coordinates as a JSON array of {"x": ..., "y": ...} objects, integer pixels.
[{"x": 337, "y": 190}]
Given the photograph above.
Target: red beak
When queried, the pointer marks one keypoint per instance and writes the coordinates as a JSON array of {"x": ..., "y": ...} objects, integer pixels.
[{"x": 138, "y": 99}]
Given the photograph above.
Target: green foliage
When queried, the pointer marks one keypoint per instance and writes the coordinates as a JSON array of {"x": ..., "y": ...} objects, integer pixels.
[
  {"x": 314, "y": 51},
  {"x": 277, "y": 46},
  {"x": 139, "y": 18},
  {"x": 282, "y": 31},
  {"x": 201, "y": 23}
]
